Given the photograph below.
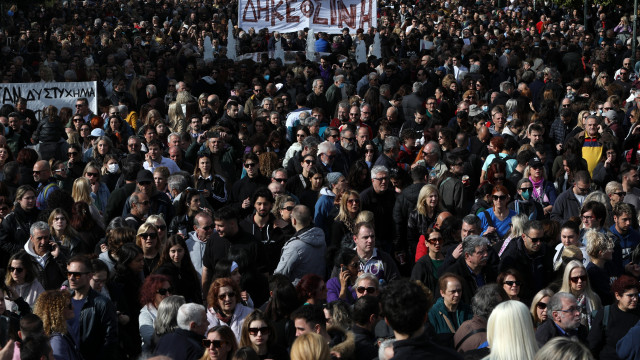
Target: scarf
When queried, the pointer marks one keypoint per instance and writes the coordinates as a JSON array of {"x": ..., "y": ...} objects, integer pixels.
[
  {"x": 537, "y": 185},
  {"x": 223, "y": 318}
]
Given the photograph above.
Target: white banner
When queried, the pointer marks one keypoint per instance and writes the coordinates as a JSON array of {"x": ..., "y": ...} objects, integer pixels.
[
  {"x": 59, "y": 94},
  {"x": 329, "y": 16}
]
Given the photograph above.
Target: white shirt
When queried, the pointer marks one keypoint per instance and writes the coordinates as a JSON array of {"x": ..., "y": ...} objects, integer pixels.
[{"x": 173, "y": 167}]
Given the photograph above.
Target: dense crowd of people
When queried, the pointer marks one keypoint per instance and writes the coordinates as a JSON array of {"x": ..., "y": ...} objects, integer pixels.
[{"x": 472, "y": 192}]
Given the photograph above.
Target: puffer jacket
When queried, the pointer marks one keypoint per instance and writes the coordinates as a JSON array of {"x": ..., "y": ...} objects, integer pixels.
[
  {"x": 49, "y": 131},
  {"x": 303, "y": 254}
]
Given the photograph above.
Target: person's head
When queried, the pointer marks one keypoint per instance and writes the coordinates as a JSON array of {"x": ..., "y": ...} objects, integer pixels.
[
  {"x": 500, "y": 196},
  {"x": 450, "y": 289},
  {"x": 140, "y": 204},
  {"x": 20, "y": 269},
  {"x": 486, "y": 298},
  {"x": 615, "y": 192},
  {"x": 471, "y": 225},
  {"x": 309, "y": 319},
  {"x": 365, "y": 238},
  {"x": 310, "y": 346},
  {"x": 79, "y": 272},
  {"x": 380, "y": 178},
  {"x": 510, "y": 323},
  {"x": 591, "y": 126},
  {"x": 533, "y": 236},
  {"x": 35, "y": 347},
  {"x": 428, "y": 199},
  {"x": 166, "y": 321},
  {"x": 511, "y": 282},
  {"x": 54, "y": 308},
  {"x": 155, "y": 289},
  {"x": 367, "y": 284},
  {"x": 203, "y": 226},
  {"x": 311, "y": 288},
  {"x": 300, "y": 217},
  {"x": 629, "y": 175},
  {"x": 193, "y": 317},
  {"x": 625, "y": 288},
  {"x": 257, "y": 331},
  {"x": 41, "y": 171},
  {"x": 623, "y": 214},
  {"x": 575, "y": 279},
  {"x": 251, "y": 164},
  {"x": 30, "y": 324},
  {"x": 539, "y": 305},
  {"x": 220, "y": 343},
  {"x": 404, "y": 306},
  {"x": 564, "y": 348},
  {"x": 475, "y": 251},
  {"x": 366, "y": 311},
  {"x": 130, "y": 260},
  {"x": 224, "y": 295},
  {"x": 593, "y": 214},
  {"x": 226, "y": 221},
  {"x": 40, "y": 238},
  {"x": 564, "y": 311}
]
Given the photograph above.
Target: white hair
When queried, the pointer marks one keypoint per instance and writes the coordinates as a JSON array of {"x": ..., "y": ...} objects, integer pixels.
[
  {"x": 189, "y": 313},
  {"x": 378, "y": 169},
  {"x": 385, "y": 344},
  {"x": 326, "y": 147}
]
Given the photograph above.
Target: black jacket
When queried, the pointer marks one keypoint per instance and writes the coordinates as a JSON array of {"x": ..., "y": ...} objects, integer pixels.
[
  {"x": 381, "y": 205},
  {"x": 405, "y": 203},
  {"x": 98, "y": 328},
  {"x": 54, "y": 272},
  {"x": 424, "y": 271},
  {"x": 469, "y": 285},
  {"x": 548, "y": 330},
  {"x": 421, "y": 347},
  {"x": 180, "y": 345},
  {"x": 185, "y": 283},
  {"x": 536, "y": 269},
  {"x": 14, "y": 232},
  {"x": 366, "y": 342}
]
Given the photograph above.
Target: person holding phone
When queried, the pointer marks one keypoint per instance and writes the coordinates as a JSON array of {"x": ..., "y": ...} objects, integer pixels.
[{"x": 46, "y": 256}]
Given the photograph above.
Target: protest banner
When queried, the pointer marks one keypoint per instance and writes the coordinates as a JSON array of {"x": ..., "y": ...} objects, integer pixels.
[
  {"x": 59, "y": 94},
  {"x": 329, "y": 16}
]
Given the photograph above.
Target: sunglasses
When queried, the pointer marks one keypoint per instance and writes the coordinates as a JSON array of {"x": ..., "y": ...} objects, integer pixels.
[
  {"x": 163, "y": 291},
  {"x": 229, "y": 295},
  {"x": 541, "y": 305},
  {"x": 76, "y": 274},
  {"x": 280, "y": 180},
  {"x": 621, "y": 193},
  {"x": 535, "y": 240},
  {"x": 511, "y": 283},
  {"x": 288, "y": 208},
  {"x": 217, "y": 344},
  {"x": 499, "y": 197},
  {"x": 526, "y": 189},
  {"x": 91, "y": 174},
  {"x": 249, "y": 165},
  {"x": 254, "y": 331},
  {"x": 16, "y": 269},
  {"x": 437, "y": 240},
  {"x": 162, "y": 227},
  {"x": 144, "y": 183},
  {"x": 148, "y": 235},
  {"x": 368, "y": 289},
  {"x": 308, "y": 162},
  {"x": 574, "y": 279}
]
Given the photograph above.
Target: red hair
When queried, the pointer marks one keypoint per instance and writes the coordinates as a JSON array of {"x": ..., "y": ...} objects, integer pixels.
[
  {"x": 624, "y": 283},
  {"x": 212, "y": 296},
  {"x": 150, "y": 287},
  {"x": 500, "y": 188},
  {"x": 308, "y": 286}
]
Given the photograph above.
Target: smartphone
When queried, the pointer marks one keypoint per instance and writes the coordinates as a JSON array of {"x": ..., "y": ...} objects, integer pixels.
[{"x": 342, "y": 268}]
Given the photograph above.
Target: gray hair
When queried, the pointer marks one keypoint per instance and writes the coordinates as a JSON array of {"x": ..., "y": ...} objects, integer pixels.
[
  {"x": 390, "y": 143},
  {"x": 378, "y": 169},
  {"x": 177, "y": 182},
  {"x": 325, "y": 147},
  {"x": 172, "y": 134},
  {"x": 485, "y": 300},
  {"x": 151, "y": 89},
  {"x": 369, "y": 276},
  {"x": 273, "y": 174},
  {"x": 38, "y": 226},
  {"x": 265, "y": 100},
  {"x": 506, "y": 86},
  {"x": 310, "y": 142},
  {"x": 471, "y": 242},
  {"x": 166, "y": 321},
  {"x": 383, "y": 346},
  {"x": 417, "y": 87},
  {"x": 317, "y": 81},
  {"x": 372, "y": 75},
  {"x": 364, "y": 104},
  {"x": 338, "y": 78},
  {"x": 472, "y": 220},
  {"x": 555, "y": 303},
  {"x": 309, "y": 121},
  {"x": 188, "y": 313},
  {"x": 343, "y": 105}
]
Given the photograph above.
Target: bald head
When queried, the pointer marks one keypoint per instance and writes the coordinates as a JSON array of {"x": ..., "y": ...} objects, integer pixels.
[
  {"x": 443, "y": 215},
  {"x": 41, "y": 171},
  {"x": 301, "y": 216}
]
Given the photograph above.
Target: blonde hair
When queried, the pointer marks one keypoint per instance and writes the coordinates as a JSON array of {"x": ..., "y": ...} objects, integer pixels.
[
  {"x": 81, "y": 190},
  {"x": 50, "y": 307},
  {"x": 536, "y": 299},
  {"x": 597, "y": 242},
  {"x": 364, "y": 216},
  {"x": 310, "y": 346},
  {"x": 510, "y": 323},
  {"x": 592, "y": 298},
  {"x": 343, "y": 213},
  {"x": 153, "y": 219},
  {"x": 564, "y": 348},
  {"x": 425, "y": 192},
  {"x": 143, "y": 229}
]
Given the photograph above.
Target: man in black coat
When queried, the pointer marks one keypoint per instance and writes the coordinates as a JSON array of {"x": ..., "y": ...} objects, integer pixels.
[
  {"x": 563, "y": 320},
  {"x": 365, "y": 317},
  {"x": 472, "y": 266},
  {"x": 185, "y": 343},
  {"x": 405, "y": 306},
  {"x": 380, "y": 198},
  {"x": 405, "y": 202}
]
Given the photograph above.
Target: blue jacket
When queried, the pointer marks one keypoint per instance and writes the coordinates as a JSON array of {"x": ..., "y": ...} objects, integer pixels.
[
  {"x": 628, "y": 348},
  {"x": 628, "y": 242}
]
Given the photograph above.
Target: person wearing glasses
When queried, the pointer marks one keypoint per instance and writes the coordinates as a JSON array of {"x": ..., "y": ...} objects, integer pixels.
[
  {"x": 576, "y": 281},
  {"x": 523, "y": 202},
  {"x": 225, "y": 307},
  {"x": 539, "y": 305},
  {"x": 496, "y": 220},
  {"x": 569, "y": 202},
  {"x": 154, "y": 289},
  {"x": 563, "y": 320},
  {"x": 220, "y": 343},
  {"x": 531, "y": 257},
  {"x": 243, "y": 189},
  {"x": 472, "y": 267},
  {"x": 23, "y": 287}
]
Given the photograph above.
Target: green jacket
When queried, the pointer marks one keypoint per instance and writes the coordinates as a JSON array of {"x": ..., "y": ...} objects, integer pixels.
[{"x": 438, "y": 313}]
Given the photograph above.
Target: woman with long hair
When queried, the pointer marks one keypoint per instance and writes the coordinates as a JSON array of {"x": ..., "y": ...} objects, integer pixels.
[
  {"x": 341, "y": 287},
  {"x": 496, "y": 220},
  {"x": 510, "y": 323},
  {"x": 427, "y": 267},
  {"x": 214, "y": 186},
  {"x": 175, "y": 263},
  {"x": 310, "y": 346},
  {"x": 83, "y": 223},
  {"x": 220, "y": 344},
  {"x": 54, "y": 307},
  {"x": 511, "y": 282},
  {"x": 359, "y": 177},
  {"x": 154, "y": 289},
  {"x": 14, "y": 232},
  {"x": 81, "y": 192},
  {"x": 224, "y": 306},
  {"x": 147, "y": 240},
  {"x": 576, "y": 281},
  {"x": 282, "y": 303},
  {"x": 161, "y": 226},
  {"x": 539, "y": 306},
  {"x": 167, "y": 319},
  {"x": 66, "y": 235},
  {"x": 103, "y": 146},
  {"x": 99, "y": 191},
  {"x": 259, "y": 334},
  {"x": 343, "y": 226},
  {"x": 423, "y": 216},
  {"x": 22, "y": 283}
]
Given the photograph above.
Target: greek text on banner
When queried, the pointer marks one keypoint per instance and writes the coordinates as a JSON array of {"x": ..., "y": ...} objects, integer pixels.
[
  {"x": 329, "y": 16},
  {"x": 59, "y": 94}
]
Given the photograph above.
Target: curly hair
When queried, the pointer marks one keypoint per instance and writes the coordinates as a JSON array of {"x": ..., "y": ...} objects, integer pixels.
[
  {"x": 212, "y": 295},
  {"x": 50, "y": 308},
  {"x": 150, "y": 287}
]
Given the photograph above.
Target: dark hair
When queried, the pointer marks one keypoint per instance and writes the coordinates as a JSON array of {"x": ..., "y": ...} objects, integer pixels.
[
  {"x": 126, "y": 254},
  {"x": 312, "y": 314},
  {"x": 30, "y": 324},
  {"x": 84, "y": 259},
  {"x": 186, "y": 263},
  {"x": 225, "y": 213},
  {"x": 81, "y": 218},
  {"x": 308, "y": 286},
  {"x": 533, "y": 224},
  {"x": 284, "y": 299},
  {"x": 571, "y": 225},
  {"x": 35, "y": 347},
  {"x": 262, "y": 192},
  {"x": 404, "y": 306},
  {"x": 503, "y": 275},
  {"x": 624, "y": 283},
  {"x": 597, "y": 208},
  {"x": 364, "y": 307},
  {"x": 98, "y": 265}
]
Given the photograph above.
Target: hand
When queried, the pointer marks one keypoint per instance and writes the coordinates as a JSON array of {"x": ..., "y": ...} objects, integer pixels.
[
  {"x": 457, "y": 251},
  {"x": 246, "y": 203},
  {"x": 344, "y": 277},
  {"x": 490, "y": 230},
  {"x": 559, "y": 147},
  {"x": 244, "y": 295},
  {"x": 607, "y": 163},
  {"x": 55, "y": 249},
  {"x": 7, "y": 352},
  {"x": 201, "y": 139}
]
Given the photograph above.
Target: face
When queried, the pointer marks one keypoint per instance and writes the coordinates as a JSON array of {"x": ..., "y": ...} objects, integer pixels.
[
  {"x": 623, "y": 222},
  {"x": 98, "y": 280},
  {"x": 79, "y": 276},
  {"x": 568, "y": 237},
  {"x": 511, "y": 286},
  {"x": 582, "y": 188},
  {"x": 434, "y": 243},
  {"x": 263, "y": 206},
  {"x": 380, "y": 182},
  {"x": 365, "y": 240},
  {"x": 452, "y": 293},
  {"x": 366, "y": 287},
  {"x": 40, "y": 241},
  {"x": 468, "y": 229},
  {"x": 285, "y": 211},
  {"x": 628, "y": 300},
  {"x": 219, "y": 348},
  {"x": 160, "y": 181},
  {"x": 16, "y": 268},
  {"x": 353, "y": 204},
  {"x": 533, "y": 240},
  {"x": 226, "y": 227},
  {"x": 176, "y": 253},
  {"x": 535, "y": 137},
  {"x": 164, "y": 291},
  {"x": 578, "y": 279},
  {"x": 303, "y": 327},
  {"x": 500, "y": 199},
  {"x": 569, "y": 316},
  {"x": 591, "y": 126},
  {"x": 478, "y": 258},
  {"x": 227, "y": 299},
  {"x": 137, "y": 264},
  {"x": 541, "y": 308},
  {"x": 588, "y": 220},
  {"x": 252, "y": 168}
]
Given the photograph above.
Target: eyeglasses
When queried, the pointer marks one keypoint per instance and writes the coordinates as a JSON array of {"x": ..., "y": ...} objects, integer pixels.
[
  {"x": 349, "y": 139},
  {"x": 229, "y": 295},
  {"x": 207, "y": 228},
  {"x": 162, "y": 227},
  {"x": 574, "y": 279},
  {"x": 264, "y": 330},
  {"x": 541, "y": 305},
  {"x": 527, "y": 189},
  {"x": 586, "y": 217},
  {"x": 583, "y": 190},
  {"x": 498, "y": 178},
  {"x": 18, "y": 270},
  {"x": 77, "y": 120},
  {"x": 381, "y": 179},
  {"x": 368, "y": 289},
  {"x": 217, "y": 344},
  {"x": 437, "y": 240},
  {"x": 288, "y": 208},
  {"x": 608, "y": 108},
  {"x": 499, "y": 197},
  {"x": 249, "y": 165},
  {"x": 280, "y": 180},
  {"x": 511, "y": 283},
  {"x": 91, "y": 174},
  {"x": 76, "y": 274},
  {"x": 309, "y": 162},
  {"x": 36, "y": 172},
  {"x": 370, "y": 150},
  {"x": 572, "y": 309},
  {"x": 163, "y": 291},
  {"x": 144, "y": 183},
  {"x": 149, "y": 235},
  {"x": 535, "y": 240},
  {"x": 79, "y": 105},
  {"x": 353, "y": 201}
]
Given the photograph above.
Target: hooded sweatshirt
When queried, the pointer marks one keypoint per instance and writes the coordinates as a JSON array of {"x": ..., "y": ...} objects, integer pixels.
[{"x": 303, "y": 254}]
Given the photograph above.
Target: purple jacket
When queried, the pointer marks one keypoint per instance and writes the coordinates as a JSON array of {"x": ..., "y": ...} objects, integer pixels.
[{"x": 333, "y": 291}]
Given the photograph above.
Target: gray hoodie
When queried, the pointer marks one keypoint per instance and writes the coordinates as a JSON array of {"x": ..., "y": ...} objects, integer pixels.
[{"x": 303, "y": 254}]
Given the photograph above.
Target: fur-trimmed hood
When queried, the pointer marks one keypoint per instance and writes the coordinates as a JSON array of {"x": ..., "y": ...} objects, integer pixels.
[{"x": 342, "y": 342}]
